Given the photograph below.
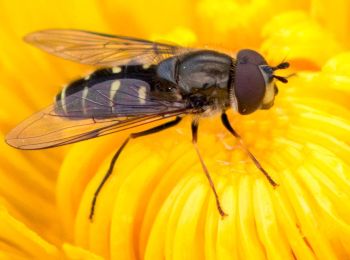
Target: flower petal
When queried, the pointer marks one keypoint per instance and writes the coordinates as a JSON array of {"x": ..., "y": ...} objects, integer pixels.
[
  {"x": 18, "y": 240},
  {"x": 299, "y": 39}
]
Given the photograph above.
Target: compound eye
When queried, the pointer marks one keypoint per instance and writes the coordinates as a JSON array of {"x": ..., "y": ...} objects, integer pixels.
[{"x": 249, "y": 83}]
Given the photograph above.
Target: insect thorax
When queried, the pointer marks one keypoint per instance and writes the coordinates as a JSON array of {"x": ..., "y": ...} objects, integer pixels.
[{"x": 203, "y": 78}]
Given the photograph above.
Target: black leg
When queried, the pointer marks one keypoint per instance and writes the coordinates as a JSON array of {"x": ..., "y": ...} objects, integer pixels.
[
  {"x": 212, "y": 186},
  {"x": 228, "y": 126},
  {"x": 116, "y": 155}
]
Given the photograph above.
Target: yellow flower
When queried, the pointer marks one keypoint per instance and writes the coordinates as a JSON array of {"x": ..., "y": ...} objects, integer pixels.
[{"x": 158, "y": 203}]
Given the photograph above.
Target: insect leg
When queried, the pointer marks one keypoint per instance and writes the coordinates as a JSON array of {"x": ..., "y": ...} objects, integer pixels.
[
  {"x": 116, "y": 155},
  {"x": 212, "y": 186},
  {"x": 228, "y": 126}
]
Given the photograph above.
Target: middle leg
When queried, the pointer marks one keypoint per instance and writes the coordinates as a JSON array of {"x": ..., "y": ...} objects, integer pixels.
[{"x": 212, "y": 186}]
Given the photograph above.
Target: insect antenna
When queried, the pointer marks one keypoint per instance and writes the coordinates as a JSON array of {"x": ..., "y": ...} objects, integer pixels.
[
  {"x": 280, "y": 78},
  {"x": 283, "y": 65}
]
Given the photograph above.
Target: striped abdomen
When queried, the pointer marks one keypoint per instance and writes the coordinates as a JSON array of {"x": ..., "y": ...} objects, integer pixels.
[{"x": 110, "y": 92}]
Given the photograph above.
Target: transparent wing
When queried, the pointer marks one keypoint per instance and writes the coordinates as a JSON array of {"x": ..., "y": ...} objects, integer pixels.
[
  {"x": 53, "y": 127},
  {"x": 46, "y": 129},
  {"x": 101, "y": 49}
]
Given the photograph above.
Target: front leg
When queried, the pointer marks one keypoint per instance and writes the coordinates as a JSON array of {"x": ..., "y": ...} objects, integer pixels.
[{"x": 228, "y": 126}]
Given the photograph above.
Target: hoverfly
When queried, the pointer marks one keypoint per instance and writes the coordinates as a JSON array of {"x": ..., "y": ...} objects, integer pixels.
[{"x": 142, "y": 82}]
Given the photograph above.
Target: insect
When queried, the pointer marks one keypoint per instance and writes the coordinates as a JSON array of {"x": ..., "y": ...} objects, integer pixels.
[{"x": 142, "y": 82}]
